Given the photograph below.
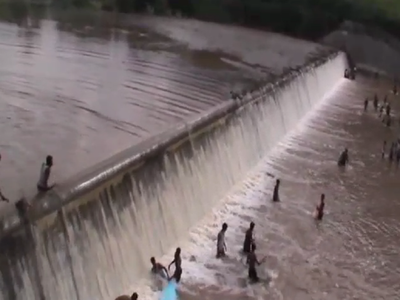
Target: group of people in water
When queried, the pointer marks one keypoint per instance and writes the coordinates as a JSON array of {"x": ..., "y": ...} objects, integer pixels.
[{"x": 383, "y": 109}]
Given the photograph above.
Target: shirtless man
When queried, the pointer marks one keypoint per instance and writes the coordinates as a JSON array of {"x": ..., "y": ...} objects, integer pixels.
[
  {"x": 221, "y": 246},
  {"x": 178, "y": 266},
  {"x": 158, "y": 269},
  {"x": 252, "y": 261}
]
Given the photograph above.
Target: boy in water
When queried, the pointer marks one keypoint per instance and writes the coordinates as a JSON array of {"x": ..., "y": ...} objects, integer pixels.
[
  {"x": 252, "y": 261},
  {"x": 248, "y": 239},
  {"x": 158, "y": 269},
  {"x": 221, "y": 246}
]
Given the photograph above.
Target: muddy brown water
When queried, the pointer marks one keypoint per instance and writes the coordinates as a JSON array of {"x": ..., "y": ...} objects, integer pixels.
[{"x": 353, "y": 253}]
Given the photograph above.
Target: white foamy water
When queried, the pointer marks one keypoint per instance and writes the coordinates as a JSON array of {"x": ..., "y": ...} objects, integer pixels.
[
  {"x": 238, "y": 208},
  {"x": 105, "y": 250}
]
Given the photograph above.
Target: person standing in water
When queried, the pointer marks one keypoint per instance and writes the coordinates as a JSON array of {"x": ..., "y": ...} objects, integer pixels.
[
  {"x": 249, "y": 239},
  {"x": 275, "y": 196},
  {"x": 343, "y": 158},
  {"x": 43, "y": 185},
  {"x": 221, "y": 245},
  {"x": 366, "y": 104},
  {"x": 252, "y": 261},
  {"x": 320, "y": 208},
  {"x": 376, "y": 101},
  {"x": 158, "y": 269},
  {"x": 178, "y": 266}
]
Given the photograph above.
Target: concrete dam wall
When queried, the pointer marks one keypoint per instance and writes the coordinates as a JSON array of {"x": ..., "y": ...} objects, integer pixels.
[{"x": 93, "y": 237}]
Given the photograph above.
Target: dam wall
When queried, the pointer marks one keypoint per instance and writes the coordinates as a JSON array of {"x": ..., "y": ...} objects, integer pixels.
[{"x": 93, "y": 236}]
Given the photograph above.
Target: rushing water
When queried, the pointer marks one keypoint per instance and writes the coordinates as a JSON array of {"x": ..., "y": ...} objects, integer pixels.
[{"x": 79, "y": 88}]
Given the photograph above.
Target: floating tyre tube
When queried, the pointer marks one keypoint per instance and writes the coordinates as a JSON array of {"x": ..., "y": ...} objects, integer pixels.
[{"x": 169, "y": 292}]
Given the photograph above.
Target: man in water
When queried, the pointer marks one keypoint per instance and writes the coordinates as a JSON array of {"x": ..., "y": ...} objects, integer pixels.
[
  {"x": 133, "y": 297},
  {"x": 43, "y": 185},
  {"x": 178, "y": 266},
  {"x": 376, "y": 101},
  {"x": 252, "y": 261},
  {"x": 221, "y": 246},
  {"x": 366, "y": 104},
  {"x": 275, "y": 196},
  {"x": 158, "y": 269},
  {"x": 248, "y": 239},
  {"x": 343, "y": 158},
  {"x": 320, "y": 208}
]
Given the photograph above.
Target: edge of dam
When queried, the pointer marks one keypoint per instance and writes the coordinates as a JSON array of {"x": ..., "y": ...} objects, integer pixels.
[{"x": 46, "y": 208}]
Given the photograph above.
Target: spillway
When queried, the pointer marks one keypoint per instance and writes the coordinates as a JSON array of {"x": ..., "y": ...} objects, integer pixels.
[{"x": 92, "y": 238}]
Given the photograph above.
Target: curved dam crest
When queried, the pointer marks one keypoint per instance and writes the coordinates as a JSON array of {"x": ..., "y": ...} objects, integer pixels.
[{"x": 116, "y": 215}]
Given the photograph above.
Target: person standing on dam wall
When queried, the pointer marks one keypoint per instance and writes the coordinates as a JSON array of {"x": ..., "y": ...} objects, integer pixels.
[{"x": 45, "y": 170}]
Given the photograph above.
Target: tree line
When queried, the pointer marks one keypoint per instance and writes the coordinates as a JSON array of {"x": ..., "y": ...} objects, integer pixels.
[{"x": 310, "y": 19}]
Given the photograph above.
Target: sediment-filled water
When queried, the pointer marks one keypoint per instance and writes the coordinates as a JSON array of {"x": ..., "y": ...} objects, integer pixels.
[
  {"x": 83, "y": 86},
  {"x": 102, "y": 248}
]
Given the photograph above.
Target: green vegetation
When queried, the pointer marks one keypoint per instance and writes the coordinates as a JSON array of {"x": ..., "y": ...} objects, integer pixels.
[{"x": 305, "y": 18}]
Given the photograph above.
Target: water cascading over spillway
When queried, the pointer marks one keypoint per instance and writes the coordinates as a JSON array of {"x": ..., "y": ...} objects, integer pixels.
[{"x": 97, "y": 246}]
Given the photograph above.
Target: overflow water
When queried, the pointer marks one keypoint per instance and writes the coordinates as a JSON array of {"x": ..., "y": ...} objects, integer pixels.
[{"x": 99, "y": 244}]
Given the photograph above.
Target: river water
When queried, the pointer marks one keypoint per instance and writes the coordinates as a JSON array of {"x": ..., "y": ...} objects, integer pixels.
[
  {"x": 352, "y": 254},
  {"x": 83, "y": 87}
]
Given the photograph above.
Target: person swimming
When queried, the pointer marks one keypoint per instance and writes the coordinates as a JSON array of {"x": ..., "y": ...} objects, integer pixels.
[
  {"x": 320, "y": 208},
  {"x": 252, "y": 261},
  {"x": 343, "y": 158},
  {"x": 221, "y": 245},
  {"x": 275, "y": 195},
  {"x": 178, "y": 266},
  {"x": 249, "y": 239},
  {"x": 134, "y": 296},
  {"x": 158, "y": 269}
]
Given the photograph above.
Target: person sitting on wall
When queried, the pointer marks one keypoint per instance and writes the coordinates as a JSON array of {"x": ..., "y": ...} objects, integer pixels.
[{"x": 43, "y": 185}]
